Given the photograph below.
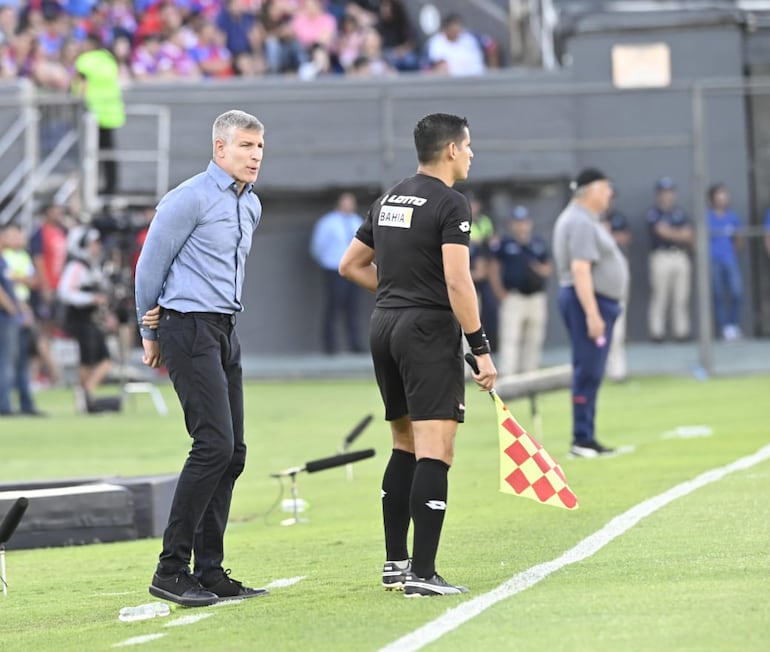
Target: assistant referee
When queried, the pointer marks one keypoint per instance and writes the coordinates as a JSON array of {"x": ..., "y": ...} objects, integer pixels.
[{"x": 412, "y": 250}]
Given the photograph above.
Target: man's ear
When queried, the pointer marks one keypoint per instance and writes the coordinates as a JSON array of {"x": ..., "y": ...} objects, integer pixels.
[{"x": 452, "y": 150}]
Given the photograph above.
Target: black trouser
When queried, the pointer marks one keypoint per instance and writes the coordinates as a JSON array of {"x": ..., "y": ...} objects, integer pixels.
[
  {"x": 109, "y": 167},
  {"x": 203, "y": 357},
  {"x": 341, "y": 299}
]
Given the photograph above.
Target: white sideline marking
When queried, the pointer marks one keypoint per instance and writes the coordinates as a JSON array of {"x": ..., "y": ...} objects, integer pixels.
[
  {"x": 284, "y": 582},
  {"x": 224, "y": 603},
  {"x": 187, "y": 620},
  {"x": 688, "y": 432},
  {"x": 138, "y": 640},
  {"x": 462, "y": 613}
]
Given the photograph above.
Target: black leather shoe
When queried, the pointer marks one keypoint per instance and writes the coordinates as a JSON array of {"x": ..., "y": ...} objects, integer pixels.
[
  {"x": 182, "y": 588},
  {"x": 229, "y": 589}
]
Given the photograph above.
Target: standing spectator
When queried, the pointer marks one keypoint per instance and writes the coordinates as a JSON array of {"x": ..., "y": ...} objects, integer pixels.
[
  {"x": 671, "y": 236},
  {"x": 726, "y": 241},
  {"x": 617, "y": 368},
  {"x": 99, "y": 84},
  {"x": 331, "y": 236},
  {"x": 520, "y": 267},
  {"x": 415, "y": 257},
  {"x": 48, "y": 247},
  {"x": 482, "y": 235},
  {"x": 22, "y": 273},
  {"x": 9, "y": 314},
  {"x": 83, "y": 292},
  {"x": 456, "y": 48},
  {"x": 592, "y": 275},
  {"x": 189, "y": 282}
]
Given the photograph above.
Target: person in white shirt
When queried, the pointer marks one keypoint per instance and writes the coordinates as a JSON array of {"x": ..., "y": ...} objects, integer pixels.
[{"x": 456, "y": 48}]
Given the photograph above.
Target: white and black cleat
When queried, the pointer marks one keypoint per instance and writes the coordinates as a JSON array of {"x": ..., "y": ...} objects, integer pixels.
[
  {"x": 419, "y": 587},
  {"x": 394, "y": 574}
]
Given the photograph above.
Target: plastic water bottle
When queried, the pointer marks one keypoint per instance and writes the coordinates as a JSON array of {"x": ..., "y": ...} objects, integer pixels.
[{"x": 144, "y": 611}]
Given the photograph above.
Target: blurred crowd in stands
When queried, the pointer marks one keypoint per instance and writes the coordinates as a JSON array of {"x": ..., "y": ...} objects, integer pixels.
[{"x": 193, "y": 39}]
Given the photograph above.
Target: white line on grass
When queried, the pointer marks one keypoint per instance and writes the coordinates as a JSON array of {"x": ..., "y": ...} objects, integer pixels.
[
  {"x": 286, "y": 581},
  {"x": 688, "y": 432},
  {"x": 462, "y": 613},
  {"x": 138, "y": 640},
  {"x": 187, "y": 620}
]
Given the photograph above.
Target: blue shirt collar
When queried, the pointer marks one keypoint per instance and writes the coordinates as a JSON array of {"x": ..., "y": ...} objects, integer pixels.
[{"x": 222, "y": 179}]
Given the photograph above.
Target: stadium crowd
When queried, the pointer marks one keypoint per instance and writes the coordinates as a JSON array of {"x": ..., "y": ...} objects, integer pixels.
[{"x": 193, "y": 39}]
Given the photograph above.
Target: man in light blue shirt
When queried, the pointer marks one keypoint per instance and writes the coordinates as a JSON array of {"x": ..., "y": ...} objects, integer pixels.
[
  {"x": 331, "y": 236},
  {"x": 189, "y": 281}
]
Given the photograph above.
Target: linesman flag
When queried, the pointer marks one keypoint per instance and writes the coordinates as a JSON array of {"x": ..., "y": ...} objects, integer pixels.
[{"x": 526, "y": 468}]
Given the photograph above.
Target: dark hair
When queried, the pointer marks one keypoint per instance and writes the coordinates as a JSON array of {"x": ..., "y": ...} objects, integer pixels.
[
  {"x": 436, "y": 131},
  {"x": 714, "y": 188},
  {"x": 451, "y": 19}
]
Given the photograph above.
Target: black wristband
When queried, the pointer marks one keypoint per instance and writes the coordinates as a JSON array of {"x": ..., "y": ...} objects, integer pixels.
[{"x": 478, "y": 342}]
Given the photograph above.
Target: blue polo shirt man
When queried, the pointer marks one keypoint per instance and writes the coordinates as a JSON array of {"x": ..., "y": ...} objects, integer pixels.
[
  {"x": 521, "y": 265},
  {"x": 671, "y": 238}
]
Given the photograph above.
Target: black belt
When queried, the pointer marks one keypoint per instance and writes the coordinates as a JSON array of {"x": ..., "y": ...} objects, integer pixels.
[{"x": 226, "y": 319}]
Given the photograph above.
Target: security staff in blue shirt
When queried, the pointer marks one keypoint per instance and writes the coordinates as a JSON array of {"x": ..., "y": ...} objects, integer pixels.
[
  {"x": 189, "y": 281},
  {"x": 671, "y": 238},
  {"x": 332, "y": 234},
  {"x": 725, "y": 243},
  {"x": 521, "y": 265}
]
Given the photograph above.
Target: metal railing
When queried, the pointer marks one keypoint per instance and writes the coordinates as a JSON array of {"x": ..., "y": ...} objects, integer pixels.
[
  {"x": 157, "y": 155},
  {"x": 56, "y": 144}
]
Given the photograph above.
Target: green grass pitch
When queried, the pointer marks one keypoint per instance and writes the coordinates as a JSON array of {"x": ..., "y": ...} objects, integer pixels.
[{"x": 694, "y": 575}]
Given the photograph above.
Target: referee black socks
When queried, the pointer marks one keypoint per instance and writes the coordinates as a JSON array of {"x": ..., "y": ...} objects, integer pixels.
[
  {"x": 428, "y": 506},
  {"x": 396, "y": 488}
]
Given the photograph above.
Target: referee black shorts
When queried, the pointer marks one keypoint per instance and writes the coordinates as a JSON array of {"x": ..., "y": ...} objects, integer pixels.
[{"x": 418, "y": 363}]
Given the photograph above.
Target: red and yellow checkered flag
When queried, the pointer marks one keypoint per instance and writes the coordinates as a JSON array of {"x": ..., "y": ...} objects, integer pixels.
[{"x": 526, "y": 468}]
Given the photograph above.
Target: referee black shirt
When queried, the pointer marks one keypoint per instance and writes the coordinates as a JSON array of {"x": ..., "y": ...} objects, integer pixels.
[{"x": 406, "y": 227}]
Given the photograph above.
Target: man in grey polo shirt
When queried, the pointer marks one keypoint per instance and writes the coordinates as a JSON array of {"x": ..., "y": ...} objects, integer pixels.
[{"x": 593, "y": 276}]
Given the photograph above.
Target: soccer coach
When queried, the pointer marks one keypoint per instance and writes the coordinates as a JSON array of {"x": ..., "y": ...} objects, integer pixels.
[
  {"x": 593, "y": 276},
  {"x": 192, "y": 265},
  {"x": 413, "y": 251}
]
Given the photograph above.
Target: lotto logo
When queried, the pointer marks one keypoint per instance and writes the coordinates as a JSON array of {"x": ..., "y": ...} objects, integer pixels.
[
  {"x": 409, "y": 200},
  {"x": 436, "y": 505},
  {"x": 465, "y": 226}
]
